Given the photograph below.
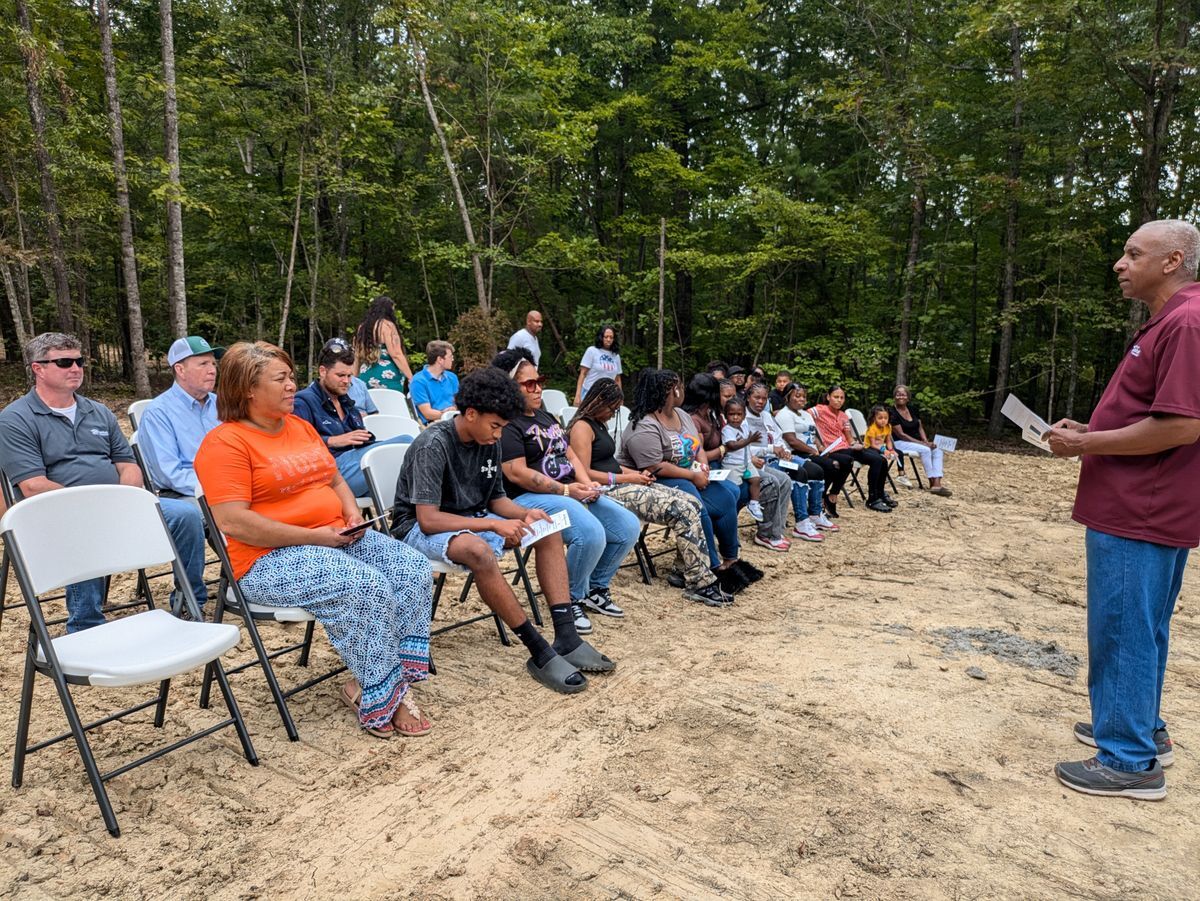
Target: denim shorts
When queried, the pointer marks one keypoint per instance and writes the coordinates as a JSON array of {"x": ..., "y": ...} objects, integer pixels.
[{"x": 437, "y": 546}]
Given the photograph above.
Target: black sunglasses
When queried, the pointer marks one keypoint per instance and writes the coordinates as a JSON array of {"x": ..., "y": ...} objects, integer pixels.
[{"x": 65, "y": 362}]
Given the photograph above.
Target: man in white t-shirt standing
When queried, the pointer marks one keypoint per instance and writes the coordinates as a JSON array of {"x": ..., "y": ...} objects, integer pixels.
[{"x": 528, "y": 336}]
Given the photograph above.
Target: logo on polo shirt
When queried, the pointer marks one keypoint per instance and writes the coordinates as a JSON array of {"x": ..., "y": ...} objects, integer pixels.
[
  {"x": 1136, "y": 350},
  {"x": 103, "y": 433}
]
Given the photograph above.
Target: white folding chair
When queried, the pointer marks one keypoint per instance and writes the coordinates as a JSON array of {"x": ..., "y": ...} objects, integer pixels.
[
  {"x": 391, "y": 403},
  {"x": 231, "y": 600},
  {"x": 567, "y": 414},
  {"x": 554, "y": 402},
  {"x": 136, "y": 409},
  {"x": 114, "y": 529},
  {"x": 448, "y": 415},
  {"x": 384, "y": 426}
]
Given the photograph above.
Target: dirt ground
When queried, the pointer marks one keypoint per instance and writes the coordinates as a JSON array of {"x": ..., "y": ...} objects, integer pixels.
[{"x": 815, "y": 740}]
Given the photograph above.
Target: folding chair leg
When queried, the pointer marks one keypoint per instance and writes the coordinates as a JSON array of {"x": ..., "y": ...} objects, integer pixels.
[
  {"x": 85, "y": 752},
  {"x": 235, "y": 713},
  {"x": 639, "y": 551},
  {"x": 26, "y": 706},
  {"x": 160, "y": 711},
  {"x": 504, "y": 639},
  {"x": 523, "y": 573},
  {"x": 439, "y": 582},
  {"x": 3, "y": 586},
  {"x": 308, "y": 637},
  {"x": 218, "y": 617},
  {"x": 272, "y": 683}
]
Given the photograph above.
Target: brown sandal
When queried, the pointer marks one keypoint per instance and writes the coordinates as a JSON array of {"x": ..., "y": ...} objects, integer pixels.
[
  {"x": 421, "y": 727},
  {"x": 353, "y": 699}
]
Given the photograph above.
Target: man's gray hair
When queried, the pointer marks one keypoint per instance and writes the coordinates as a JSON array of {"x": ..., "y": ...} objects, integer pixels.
[
  {"x": 39, "y": 346},
  {"x": 1176, "y": 234}
]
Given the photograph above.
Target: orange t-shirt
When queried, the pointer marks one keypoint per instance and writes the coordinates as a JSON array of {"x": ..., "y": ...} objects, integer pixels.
[{"x": 285, "y": 477}]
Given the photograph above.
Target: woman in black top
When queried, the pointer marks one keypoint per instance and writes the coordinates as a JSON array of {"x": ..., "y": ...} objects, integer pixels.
[
  {"x": 636, "y": 491},
  {"x": 908, "y": 434}
]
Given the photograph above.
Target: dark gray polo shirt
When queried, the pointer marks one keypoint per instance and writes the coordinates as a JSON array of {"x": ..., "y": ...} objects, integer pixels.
[{"x": 36, "y": 441}]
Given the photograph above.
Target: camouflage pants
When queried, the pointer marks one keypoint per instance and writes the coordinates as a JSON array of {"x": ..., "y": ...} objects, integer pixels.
[{"x": 665, "y": 506}]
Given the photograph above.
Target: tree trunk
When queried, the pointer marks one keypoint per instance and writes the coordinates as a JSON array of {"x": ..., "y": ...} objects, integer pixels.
[
  {"x": 291, "y": 268},
  {"x": 1159, "y": 92},
  {"x": 32, "y": 56},
  {"x": 910, "y": 271},
  {"x": 14, "y": 305},
  {"x": 176, "y": 284},
  {"x": 451, "y": 170},
  {"x": 133, "y": 300},
  {"x": 1008, "y": 297}
]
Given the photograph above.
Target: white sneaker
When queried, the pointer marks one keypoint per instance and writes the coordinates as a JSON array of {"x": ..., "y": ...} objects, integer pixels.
[
  {"x": 806, "y": 531},
  {"x": 583, "y": 625},
  {"x": 824, "y": 523},
  {"x": 756, "y": 510},
  {"x": 903, "y": 481}
]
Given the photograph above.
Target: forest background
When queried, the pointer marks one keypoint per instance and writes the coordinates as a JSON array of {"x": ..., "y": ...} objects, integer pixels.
[{"x": 861, "y": 191}]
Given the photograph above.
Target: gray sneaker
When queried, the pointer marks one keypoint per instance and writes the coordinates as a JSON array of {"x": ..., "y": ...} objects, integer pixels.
[
  {"x": 1094, "y": 778},
  {"x": 1162, "y": 742},
  {"x": 583, "y": 625}
]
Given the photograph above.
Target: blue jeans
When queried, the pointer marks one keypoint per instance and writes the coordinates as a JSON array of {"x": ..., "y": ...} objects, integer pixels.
[
  {"x": 601, "y": 534},
  {"x": 1131, "y": 591},
  {"x": 349, "y": 463},
  {"x": 806, "y": 495},
  {"x": 718, "y": 516},
  {"x": 84, "y": 599}
]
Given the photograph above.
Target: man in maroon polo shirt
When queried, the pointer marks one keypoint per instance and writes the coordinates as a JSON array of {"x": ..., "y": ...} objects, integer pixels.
[{"x": 1139, "y": 496}]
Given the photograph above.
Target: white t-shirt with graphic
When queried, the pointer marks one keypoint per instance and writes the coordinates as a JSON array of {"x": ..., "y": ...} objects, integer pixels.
[{"x": 600, "y": 364}]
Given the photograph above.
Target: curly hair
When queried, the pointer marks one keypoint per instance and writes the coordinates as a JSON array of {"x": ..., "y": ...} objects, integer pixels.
[
  {"x": 616, "y": 345},
  {"x": 651, "y": 391},
  {"x": 510, "y": 360},
  {"x": 489, "y": 390},
  {"x": 603, "y": 393}
]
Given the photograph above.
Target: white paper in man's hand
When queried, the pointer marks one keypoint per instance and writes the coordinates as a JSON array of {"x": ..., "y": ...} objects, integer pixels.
[{"x": 541, "y": 528}]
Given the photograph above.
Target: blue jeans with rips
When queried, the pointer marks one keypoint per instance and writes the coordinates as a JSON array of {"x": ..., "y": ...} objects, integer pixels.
[
  {"x": 601, "y": 534},
  {"x": 84, "y": 599},
  {"x": 1131, "y": 590}
]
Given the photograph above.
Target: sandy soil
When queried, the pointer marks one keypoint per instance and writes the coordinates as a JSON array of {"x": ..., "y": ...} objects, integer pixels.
[{"x": 813, "y": 741}]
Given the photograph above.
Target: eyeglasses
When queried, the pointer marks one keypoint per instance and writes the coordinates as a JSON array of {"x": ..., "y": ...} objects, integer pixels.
[
  {"x": 65, "y": 362},
  {"x": 539, "y": 383}
]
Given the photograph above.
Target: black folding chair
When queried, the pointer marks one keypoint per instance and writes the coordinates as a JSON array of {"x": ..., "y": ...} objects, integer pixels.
[{"x": 116, "y": 528}]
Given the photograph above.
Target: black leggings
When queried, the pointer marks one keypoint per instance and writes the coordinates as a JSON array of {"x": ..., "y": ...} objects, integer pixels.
[
  {"x": 835, "y": 468},
  {"x": 877, "y": 468}
]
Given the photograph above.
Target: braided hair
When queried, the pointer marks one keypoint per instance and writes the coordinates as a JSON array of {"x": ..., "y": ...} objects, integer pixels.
[
  {"x": 603, "y": 393},
  {"x": 651, "y": 391}
]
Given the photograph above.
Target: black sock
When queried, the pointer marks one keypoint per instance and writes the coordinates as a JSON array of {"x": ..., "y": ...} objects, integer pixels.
[
  {"x": 539, "y": 650},
  {"x": 566, "y": 639}
]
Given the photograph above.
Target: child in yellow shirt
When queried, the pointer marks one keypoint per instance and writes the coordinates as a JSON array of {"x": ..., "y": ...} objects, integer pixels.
[{"x": 879, "y": 434}]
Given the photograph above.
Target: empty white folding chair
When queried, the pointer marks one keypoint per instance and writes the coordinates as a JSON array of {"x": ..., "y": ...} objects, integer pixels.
[
  {"x": 616, "y": 425},
  {"x": 136, "y": 409},
  {"x": 114, "y": 529},
  {"x": 567, "y": 415},
  {"x": 554, "y": 402},
  {"x": 391, "y": 403},
  {"x": 384, "y": 426}
]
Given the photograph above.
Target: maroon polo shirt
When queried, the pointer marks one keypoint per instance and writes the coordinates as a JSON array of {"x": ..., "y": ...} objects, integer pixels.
[{"x": 1150, "y": 497}]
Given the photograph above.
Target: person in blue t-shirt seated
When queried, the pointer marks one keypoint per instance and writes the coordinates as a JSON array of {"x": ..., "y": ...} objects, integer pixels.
[
  {"x": 327, "y": 405},
  {"x": 433, "y": 388}
]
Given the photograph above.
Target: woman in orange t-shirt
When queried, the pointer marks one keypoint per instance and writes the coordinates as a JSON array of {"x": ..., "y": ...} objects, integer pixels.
[{"x": 277, "y": 495}]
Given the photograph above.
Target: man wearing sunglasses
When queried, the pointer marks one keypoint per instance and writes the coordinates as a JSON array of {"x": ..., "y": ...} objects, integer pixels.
[{"x": 54, "y": 438}]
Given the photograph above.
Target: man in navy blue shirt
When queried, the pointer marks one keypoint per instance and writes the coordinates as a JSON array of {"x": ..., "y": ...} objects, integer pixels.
[{"x": 327, "y": 405}]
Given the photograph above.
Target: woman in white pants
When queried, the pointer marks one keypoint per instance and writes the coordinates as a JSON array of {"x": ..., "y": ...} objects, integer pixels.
[{"x": 908, "y": 434}]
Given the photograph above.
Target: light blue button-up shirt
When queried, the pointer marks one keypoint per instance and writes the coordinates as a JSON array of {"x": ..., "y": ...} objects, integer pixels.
[{"x": 169, "y": 434}]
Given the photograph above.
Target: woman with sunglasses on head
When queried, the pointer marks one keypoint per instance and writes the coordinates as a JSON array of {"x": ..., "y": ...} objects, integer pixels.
[
  {"x": 664, "y": 439},
  {"x": 541, "y": 471},
  {"x": 636, "y": 490}
]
